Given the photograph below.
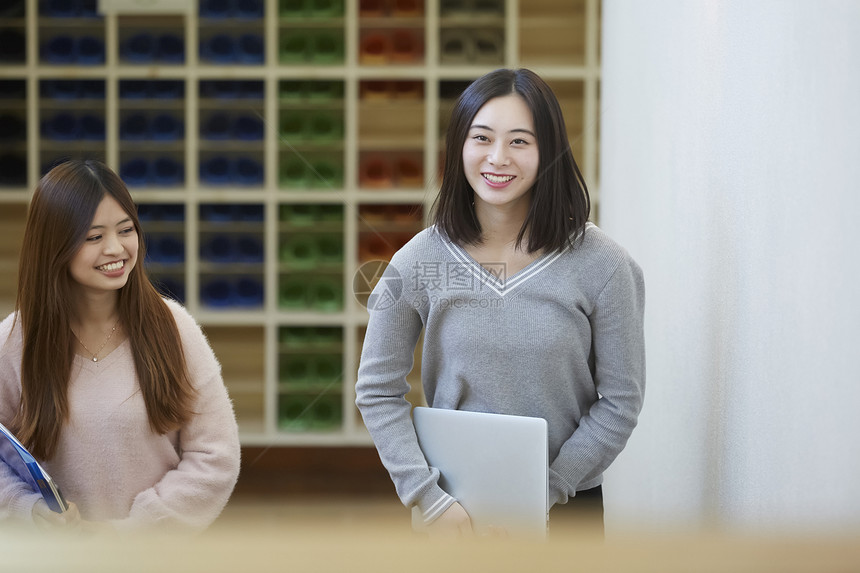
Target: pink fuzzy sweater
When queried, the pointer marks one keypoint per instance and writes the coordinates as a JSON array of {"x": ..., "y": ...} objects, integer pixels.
[{"x": 109, "y": 462}]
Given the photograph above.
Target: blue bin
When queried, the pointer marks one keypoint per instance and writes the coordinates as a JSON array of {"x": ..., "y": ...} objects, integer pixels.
[
  {"x": 59, "y": 50},
  {"x": 167, "y": 89},
  {"x": 139, "y": 48},
  {"x": 218, "y": 212},
  {"x": 134, "y": 127},
  {"x": 134, "y": 89},
  {"x": 249, "y": 249},
  {"x": 89, "y": 51},
  {"x": 218, "y": 249},
  {"x": 216, "y": 126},
  {"x": 170, "y": 49},
  {"x": 148, "y": 212},
  {"x": 167, "y": 172},
  {"x": 135, "y": 172},
  {"x": 250, "y": 212},
  {"x": 215, "y": 171},
  {"x": 248, "y": 128},
  {"x": 92, "y": 127},
  {"x": 249, "y": 292},
  {"x": 252, "y": 89},
  {"x": 216, "y": 8},
  {"x": 247, "y": 171},
  {"x": 250, "y": 49},
  {"x": 250, "y": 9},
  {"x": 219, "y": 49},
  {"x": 171, "y": 250},
  {"x": 217, "y": 293},
  {"x": 63, "y": 126},
  {"x": 60, "y": 8},
  {"x": 220, "y": 89},
  {"x": 166, "y": 127}
]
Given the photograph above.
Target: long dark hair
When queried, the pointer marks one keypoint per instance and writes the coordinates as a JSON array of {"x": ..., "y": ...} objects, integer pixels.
[
  {"x": 59, "y": 216},
  {"x": 560, "y": 204}
]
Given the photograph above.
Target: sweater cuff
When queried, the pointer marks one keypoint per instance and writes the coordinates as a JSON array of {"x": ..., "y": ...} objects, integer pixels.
[
  {"x": 433, "y": 505},
  {"x": 558, "y": 489},
  {"x": 22, "y": 506}
]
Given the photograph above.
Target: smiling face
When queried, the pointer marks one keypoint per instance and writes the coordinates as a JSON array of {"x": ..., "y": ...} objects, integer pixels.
[
  {"x": 109, "y": 252},
  {"x": 500, "y": 155}
]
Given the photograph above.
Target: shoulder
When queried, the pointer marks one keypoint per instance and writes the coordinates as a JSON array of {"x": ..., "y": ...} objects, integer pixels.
[
  {"x": 597, "y": 256},
  {"x": 185, "y": 323},
  {"x": 7, "y": 327},
  {"x": 428, "y": 245},
  {"x": 179, "y": 312},
  {"x": 198, "y": 352}
]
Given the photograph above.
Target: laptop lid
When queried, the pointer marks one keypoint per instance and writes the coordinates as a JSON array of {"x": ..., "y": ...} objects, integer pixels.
[{"x": 496, "y": 465}]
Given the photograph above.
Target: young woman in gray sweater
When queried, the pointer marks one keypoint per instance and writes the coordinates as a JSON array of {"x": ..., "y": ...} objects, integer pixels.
[{"x": 526, "y": 307}]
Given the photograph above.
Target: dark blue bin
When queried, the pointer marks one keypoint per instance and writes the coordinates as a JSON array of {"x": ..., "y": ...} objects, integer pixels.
[
  {"x": 170, "y": 49},
  {"x": 215, "y": 171},
  {"x": 90, "y": 51},
  {"x": 59, "y": 50},
  {"x": 135, "y": 172},
  {"x": 134, "y": 127},
  {"x": 247, "y": 171},
  {"x": 167, "y": 172}
]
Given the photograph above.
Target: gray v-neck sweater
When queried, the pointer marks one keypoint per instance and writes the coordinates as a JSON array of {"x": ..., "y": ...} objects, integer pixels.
[{"x": 562, "y": 339}]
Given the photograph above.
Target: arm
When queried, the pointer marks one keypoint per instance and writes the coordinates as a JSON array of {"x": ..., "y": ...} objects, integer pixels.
[
  {"x": 387, "y": 358},
  {"x": 619, "y": 376},
  {"x": 193, "y": 494},
  {"x": 16, "y": 497}
]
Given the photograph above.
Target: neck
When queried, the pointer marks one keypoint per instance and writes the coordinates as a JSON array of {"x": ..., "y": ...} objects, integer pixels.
[
  {"x": 100, "y": 309},
  {"x": 500, "y": 226}
]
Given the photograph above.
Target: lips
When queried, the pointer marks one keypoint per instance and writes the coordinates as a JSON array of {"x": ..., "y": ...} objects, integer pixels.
[
  {"x": 112, "y": 267},
  {"x": 497, "y": 180}
]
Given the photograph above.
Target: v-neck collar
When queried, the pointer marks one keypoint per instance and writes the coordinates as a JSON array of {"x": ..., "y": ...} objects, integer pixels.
[
  {"x": 498, "y": 282},
  {"x": 107, "y": 358}
]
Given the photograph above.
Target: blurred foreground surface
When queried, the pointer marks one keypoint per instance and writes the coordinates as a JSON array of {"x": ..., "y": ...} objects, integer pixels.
[{"x": 330, "y": 535}]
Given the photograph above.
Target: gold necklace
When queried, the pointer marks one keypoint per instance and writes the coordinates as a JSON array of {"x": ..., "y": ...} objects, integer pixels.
[{"x": 97, "y": 352}]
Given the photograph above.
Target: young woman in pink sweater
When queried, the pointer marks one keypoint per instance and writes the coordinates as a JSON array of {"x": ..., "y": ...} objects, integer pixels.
[{"x": 114, "y": 389}]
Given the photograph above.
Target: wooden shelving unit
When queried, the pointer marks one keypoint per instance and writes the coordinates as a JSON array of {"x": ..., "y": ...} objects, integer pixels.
[{"x": 273, "y": 149}]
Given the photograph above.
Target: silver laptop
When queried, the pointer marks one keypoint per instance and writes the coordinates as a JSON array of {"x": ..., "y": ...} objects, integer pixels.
[{"x": 496, "y": 466}]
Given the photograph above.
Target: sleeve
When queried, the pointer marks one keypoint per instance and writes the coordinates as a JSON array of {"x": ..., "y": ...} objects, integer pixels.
[
  {"x": 386, "y": 359},
  {"x": 191, "y": 496},
  {"x": 619, "y": 376},
  {"x": 16, "y": 497}
]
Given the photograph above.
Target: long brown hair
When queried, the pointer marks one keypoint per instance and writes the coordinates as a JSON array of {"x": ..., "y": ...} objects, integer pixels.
[
  {"x": 60, "y": 213},
  {"x": 560, "y": 202}
]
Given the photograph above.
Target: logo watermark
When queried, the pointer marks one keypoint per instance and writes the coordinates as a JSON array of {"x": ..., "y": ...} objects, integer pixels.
[
  {"x": 377, "y": 285},
  {"x": 366, "y": 280}
]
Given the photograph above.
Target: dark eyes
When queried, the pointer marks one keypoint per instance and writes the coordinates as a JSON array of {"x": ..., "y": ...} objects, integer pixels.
[
  {"x": 484, "y": 138},
  {"x": 124, "y": 231}
]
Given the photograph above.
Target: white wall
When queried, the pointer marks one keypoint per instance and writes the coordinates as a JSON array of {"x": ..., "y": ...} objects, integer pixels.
[{"x": 730, "y": 169}]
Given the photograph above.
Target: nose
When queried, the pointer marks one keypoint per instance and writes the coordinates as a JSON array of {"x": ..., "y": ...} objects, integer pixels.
[
  {"x": 498, "y": 155},
  {"x": 112, "y": 244}
]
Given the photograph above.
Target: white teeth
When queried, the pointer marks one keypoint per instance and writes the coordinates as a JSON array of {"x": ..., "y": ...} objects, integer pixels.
[
  {"x": 498, "y": 178},
  {"x": 111, "y": 266}
]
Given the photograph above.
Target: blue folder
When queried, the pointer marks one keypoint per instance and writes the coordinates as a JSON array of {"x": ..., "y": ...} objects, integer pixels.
[{"x": 16, "y": 456}]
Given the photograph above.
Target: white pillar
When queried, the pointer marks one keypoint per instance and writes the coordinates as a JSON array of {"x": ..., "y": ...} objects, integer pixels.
[{"x": 730, "y": 169}]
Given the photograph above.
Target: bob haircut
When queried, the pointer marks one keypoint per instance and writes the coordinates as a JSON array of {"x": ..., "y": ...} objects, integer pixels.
[
  {"x": 560, "y": 204},
  {"x": 58, "y": 220}
]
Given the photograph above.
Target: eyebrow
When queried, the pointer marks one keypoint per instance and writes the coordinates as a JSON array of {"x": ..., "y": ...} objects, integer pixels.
[
  {"x": 488, "y": 128},
  {"x": 123, "y": 222}
]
